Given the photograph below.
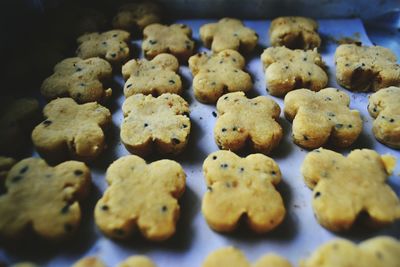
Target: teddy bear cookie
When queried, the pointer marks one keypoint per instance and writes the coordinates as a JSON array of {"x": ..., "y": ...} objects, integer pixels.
[
  {"x": 228, "y": 33},
  {"x": 243, "y": 121},
  {"x": 286, "y": 70},
  {"x": 175, "y": 39},
  {"x": 384, "y": 106},
  {"x": 43, "y": 199},
  {"x": 294, "y": 33},
  {"x": 381, "y": 251},
  {"x": 133, "y": 261},
  {"x": 136, "y": 16},
  {"x": 111, "y": 45},
  {"x": 156, "y": 76},
  {"x": 322, "y": 117},
  {"x": 71, "y": 131},
  {"x": 238, "y": 187},
  {"x": 230, "y": 256},
  {"x": 17, "y": 119},
  {"x": 217, "y": 74},
  {"x": 141, "y": 196},
  {"x": 344, "y": 187},
  {"x": 363, "y": 68},
  {"x": 81, "y": 79},
  {"x": 157, "y": 124},
  {"x": 6, "y": 164}
]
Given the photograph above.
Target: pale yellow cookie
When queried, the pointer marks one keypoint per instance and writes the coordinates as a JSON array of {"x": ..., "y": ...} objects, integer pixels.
[
  {"x": 136, "y": 15},
  {"x": 6, "y": 164},
  {"x": 133, "y": 261},
  {"x": 89, "y": 262}
]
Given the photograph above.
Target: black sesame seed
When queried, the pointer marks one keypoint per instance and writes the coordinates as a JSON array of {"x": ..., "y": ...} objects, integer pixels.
[
  {"x": 347, "y": 64},
  {"x": 129, "y": 85},
  {"x": 328, "y": 99},
  {"x": 317, "y": 194},
  {"x": 145, "y": 125},
  {"x": 374, "y": 110},
  {"x": 305, "y": 59},
  {"x": 23, "y": 170},
  {"x": 68, "y": 227},
  {"x": 105, "y": 207},
  {"x": 331, "y": 114},
  {"x": 227, "y": 184},
  {"x": 188, "y": 46},
  {"x": 305, "y": 137},
  {"x": 47, "y": 122},
  {"x": 214, "y": 157},
  {"x": 234, "y": 59},
  {"x": 225, "y": 98},
  {"x": 224, "y": 165},
  {"x": 16, "y": 179},
  {"x": 104, "y": 43},
  {"x": 115, "y": 35},
  {"x": 184, "y": 126},
  {"x": 214, "y": 114},
  {"x": 65, "y": 209},
  {"x": 234, "y": 129},
  {"x": 273, "y": 172},
  {"x": 185, "y": 114},
  {"x": 235, "y": 70},
  {"x": 221, "y": 62},
  {"x": 78, "y": 172},
  {"x": 209, "y": 188},
  {"x": 350, "y": 126},
  {"x": 119, "y": 232},
  {"x": 241, "y": 169},
  {"x": 235, "y": 34},
  {"x": 379, "y": 255},
  {"x": 176, "y": 141},
  {"x": 339, "y": 125},
  {"x": 363, "y": 64},
  {"x": 152, "y": 42},
  {"x": 164, "y": 208},
  {"x": 286, "y": 67},
  {"x": 309, "y": 73},
  {"x": 113, "y": 55},
  {"x": 171, "y": 81},
  {"x": 223, "y": 129},
  {"x": 391, "y": 120}
]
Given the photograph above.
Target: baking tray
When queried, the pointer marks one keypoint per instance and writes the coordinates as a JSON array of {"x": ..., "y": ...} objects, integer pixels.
[{"x": 297, "y": 236}]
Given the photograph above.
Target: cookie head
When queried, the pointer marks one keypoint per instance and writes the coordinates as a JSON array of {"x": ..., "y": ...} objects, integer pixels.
[
  {"x": 321, "y": 118},
  {"x": 142, "y": 196},
  {"x": 43, "y": 199},
  {"x": 360, "y": 181},
  {"x": 242, "y": 187},
  {"x": 243, "y": 121},
  {"x": 218, "y": 74},
  {"x": 286, "y": 70},
  {"x": 155, "y": 77},
  {"x": 136, "y": 16},
  {"x": 363, "y": 68},
  {"x": 228, "y": 33}
]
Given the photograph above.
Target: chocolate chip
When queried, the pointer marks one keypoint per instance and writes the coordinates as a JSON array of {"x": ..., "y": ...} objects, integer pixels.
[
  {"x": 105, "y": 207},
  {"x": 78, "y": 172},
  {"x": 317, "y": 194},
  {"x": 152, "y": 42},
  {"x": 223, "y": 129},
  {"x": 65, "y": 209},
  {"x": 68, "y": 227},
  {"x": 176, "y": 141},
  {"x": 171, "y": 81},
  {"x": 16, "y": 179},
  {"x": 47, "y": 122},
  {"x": 214, "y": 114},
  {"x": 23, "y": 170},
  {"x": 164, "y": 208},
  {"x": 129, "y": 85},
  {"x": 214, "y": 157}
]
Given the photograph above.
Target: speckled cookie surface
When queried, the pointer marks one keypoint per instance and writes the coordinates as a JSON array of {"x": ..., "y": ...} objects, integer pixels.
[
  {"x": 294, "y": 33},
  {"x": 142, "y": 196},
  {"x": 384, "y": 106},
  {"x": 43, "y": 199},
  {"x": 136, "y": 16},
  {"x": 363, "y": 68},
  {"x": 217, "y": 74},
  {"x": 239, "y": 187},
  {"x": 81, "y": 79},
  {"x": 156, "y": 76},
  {"x": 230, "y": 256},
  {"x": 228, "y": 33},
  {"x": 175, "y": 39},
  {"x": 321, "y": 118},
  {"x": 243, "y": 121},
  {"x": 133, "y": 261},
  {"x": 89, "y": 262},
  {"x": 110, "y": 45},
  {"x": 17, "y": 119},
  {"x": 155, "y": 124},
  {"x": 343, "y": 187},
  {"x": 71, "y": 131},
  {"x": 6, "y": 164},
  {"x": 380, "y": 251},
  {"x": 286, "y": 70}
]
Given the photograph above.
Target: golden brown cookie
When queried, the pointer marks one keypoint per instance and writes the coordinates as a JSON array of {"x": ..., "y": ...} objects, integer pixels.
[
  {"x": 230, "y": 256},
  {"x": 363, "y": 68},
  {"x": 240, "y": 187},
  {"x": 138, "y": 15},
  {"x": 175, "y": 39},
  {"x": 384, "y": 106},
  {"x": 228, "y": 33},
  {"x": 344, "y": 187},
  {"x": 294, "y": 33},
  {"x": 379, "y": 251},
  {"x": 155, "y": 124},
  {"x": 286, "y": 70},
  {"x": 217, "y": 74},
  {"x": 133, "y": 261},
  {"x": 242, "y": 122},
  {"x": 322, "y": 117},
  {"x": 71, "y": 131},
  {"x": 43, "y": 199},
  {"x": 81, "y": 79},
  {"x": 156, "y": 76},
  {"x": 111, "y": 45},
  {"x": 142, "y": 196}
]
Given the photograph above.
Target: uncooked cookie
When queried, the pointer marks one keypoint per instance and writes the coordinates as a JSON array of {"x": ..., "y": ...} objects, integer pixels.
[{"x": 136, "y": 16}]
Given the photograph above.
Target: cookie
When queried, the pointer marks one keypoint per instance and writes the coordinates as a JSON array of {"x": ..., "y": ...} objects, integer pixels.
[
  {"x": 381, "y": 251},
  {"x": 286, "y": 70},
  {"x": 217, "y": 74},
  {"x": 136, "y": 16},
  {"x": 345, "y": 187},
  {"x": 155, "y": 124},
  {"x": 363, "y": 68},
  {"x": 238, "y": 187},
  {"x": 246, "y": 122},
  {"x": 384, "y": 106},
  {"x": 43, "y": 199},
  {"x": 294, "y": 33},
  {"x": 110, "y": 45},
  {"x": 24, "y": 264},
  {"x": 133, "y": 261},
  {"x": 6, "y": 164},
  {"x": 81, "y": 79},
  {"x": 230, "y": 256},
  {"x": 322, "y": 117},
  {"x": 228, "y": 33},
  {"x": 175, "y": 39},
  {"x": 71, "y": 131},
  {"x": 17, "y": 119},
  {"x": 156, "y": 76},
  {"x": 142, "y": 196}
]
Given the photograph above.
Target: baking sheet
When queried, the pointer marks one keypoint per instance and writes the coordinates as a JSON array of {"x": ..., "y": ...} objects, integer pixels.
[{"x": 295, "y": 239}]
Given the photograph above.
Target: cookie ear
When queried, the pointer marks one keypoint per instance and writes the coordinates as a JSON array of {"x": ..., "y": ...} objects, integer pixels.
[
  {"x": 128, "y": 68},
  {"x": 167, "y": 61},
  {"x": 336, "y": 95},
  {"x": 86, "y": 37}
]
